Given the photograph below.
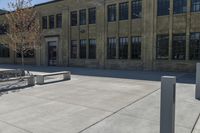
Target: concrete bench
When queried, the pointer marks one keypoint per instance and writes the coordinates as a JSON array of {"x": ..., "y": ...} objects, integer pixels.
[
  {"x": 30, "y": 80},
  {"x": 40, "y": 78}
]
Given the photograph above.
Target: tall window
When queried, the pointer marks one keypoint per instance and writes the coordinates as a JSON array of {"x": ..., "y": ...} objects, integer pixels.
[
  {"x": 51, "y": 22},
  {"x": 163, "y": 7},
  {"x": 179, "y": 47},
  {"x": 82, "y": 49},
  {"x": 73, "y": 49},
  {"x": 74, "y": 18},
  {"x": 92, "y": 15},
  {"x": 82, "y": 17},
  {"x": 111, "y": 48},
  {"x": 44, "y": 22},
  {"x": 123, "y": 11},
  {"x": 3, "y": 29},
  {"x": 195, "y": 46},
  {"x": 136, "y": 47},
  {"x": 162, "y": 47},
  {"x": 195, "y": 6},
  {"x": 180, "y": 6},
  {"x": 123, "y": 48},
  {"x": 4, "y": 51},
  {"x": 111, "y": 13},
  {"x": 92, "y": 49},
  {"x": 136, "y": 9},
  {"x": 59, "y": 21}
]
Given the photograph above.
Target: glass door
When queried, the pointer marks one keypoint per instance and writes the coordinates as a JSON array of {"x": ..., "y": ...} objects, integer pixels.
[{"x": 52, "y": 54}]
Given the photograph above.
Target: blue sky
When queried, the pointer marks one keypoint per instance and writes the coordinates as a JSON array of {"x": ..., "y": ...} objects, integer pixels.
[{"x": 4, "y": 3}]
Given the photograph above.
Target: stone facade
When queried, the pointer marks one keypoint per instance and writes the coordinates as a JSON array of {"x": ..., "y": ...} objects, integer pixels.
[{"x": 148, "y": 27}]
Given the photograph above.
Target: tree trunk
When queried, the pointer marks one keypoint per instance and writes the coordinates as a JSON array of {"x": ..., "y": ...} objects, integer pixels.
[{"x": 22, "y": 57}]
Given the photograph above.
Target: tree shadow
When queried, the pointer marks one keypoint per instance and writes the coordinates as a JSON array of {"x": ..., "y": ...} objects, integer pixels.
[{"x": 13, "y": 87}]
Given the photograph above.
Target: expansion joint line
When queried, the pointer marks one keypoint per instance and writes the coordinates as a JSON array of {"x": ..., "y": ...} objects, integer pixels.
[{"x": 119, "y": 110}]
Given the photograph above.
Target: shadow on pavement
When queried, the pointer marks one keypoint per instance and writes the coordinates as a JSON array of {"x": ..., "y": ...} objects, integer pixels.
[{"x": 188, "y": 78}]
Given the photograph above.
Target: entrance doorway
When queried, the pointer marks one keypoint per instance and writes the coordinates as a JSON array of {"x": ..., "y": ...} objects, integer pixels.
[{"x": 52, "y": 53}]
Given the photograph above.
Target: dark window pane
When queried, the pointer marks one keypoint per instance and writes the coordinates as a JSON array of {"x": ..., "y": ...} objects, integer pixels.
[
  {"x": 92, "y": 15},
  {"x": 111, "y": 13},
  {"x": 3, "y": 29},
  {"x": 82, "y": 49},
  {"x": 73, "y": 49},
  {"x": 29, "y": 51},
  {"x": 92, "y": 49},
  {"x": 162, "y": 47},
  {"x": 123, "y": 48},
  {"x": 111, "y": 48},
  {"x": 163, "y": 7},
  {"x": 180, "y": 6},
  {"x": 59, "y": 20},
  {"x": 136, "y": 47},
  {"x": 74, "y": 18},
  {"x": 123, "y": 11},
  {"x": 51, "y": 22},
  {"x": 4, "y": 51},
  {"x": 136, "y": 9},
  {"x": 195, "y": 6},
  {"x": 82, "y": 17},
  {"x": 44, "y": 22},
  {"x": 195, "y": 46},
  {"x": 179, "y": 47}
]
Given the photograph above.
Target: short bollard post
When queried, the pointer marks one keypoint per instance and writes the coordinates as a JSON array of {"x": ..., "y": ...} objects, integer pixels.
[
  {"x": 168, "y": 99},
  {"x": 197, "y": 93}
]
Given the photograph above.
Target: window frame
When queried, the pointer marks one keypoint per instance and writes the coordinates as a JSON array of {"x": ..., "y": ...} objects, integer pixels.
[
  {"x": 92, "y": 48},
  {"x": 193, "y": 6},
  {"x": 3, "y": 29},
  {"x": 92, "y": 15},
  {"x": 4, "y": 51},
  {"x": 136, "y": 47},
  {"x": 194, "y": 51},
  {"x": 163, "y": 7},
  {"x": 180, "y": 49},
  {"x": 59, "y": 20},
  {"x": 83, "y": 48},
  {"x": 123, "y": 48},
  {"x": 73, "y": 46},
  {"x": 112, "y": 13},
  {"x": 136, "y": 9},
  {"x": 123, "y": 11},
  {"x": 51, "y": 21},
  {"x": 74, "y": 18},
  {"x": 82, "y": 17},
  {"x": 179, "y": 6},
  {"x": 111, "y": 48},
  {"x": 160, "y": 48}
]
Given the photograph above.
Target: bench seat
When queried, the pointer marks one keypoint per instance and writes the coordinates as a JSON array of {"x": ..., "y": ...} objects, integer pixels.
[{"x": 40, "y": 78}]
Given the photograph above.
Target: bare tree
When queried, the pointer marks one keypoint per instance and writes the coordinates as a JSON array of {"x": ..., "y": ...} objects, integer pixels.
[{"x": 24, "y": 32}]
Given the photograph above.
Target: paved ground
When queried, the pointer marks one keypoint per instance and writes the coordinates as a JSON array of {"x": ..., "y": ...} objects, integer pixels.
[{"x": 97, "y": 101}]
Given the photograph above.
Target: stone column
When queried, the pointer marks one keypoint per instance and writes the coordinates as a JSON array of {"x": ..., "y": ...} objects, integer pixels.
[
  {"x": 171, "y": 29},
  {"x": 188, "y": 29},
  {"x": 148, "y": 7}
]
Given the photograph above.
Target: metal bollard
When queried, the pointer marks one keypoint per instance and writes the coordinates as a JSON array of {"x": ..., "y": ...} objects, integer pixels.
[
  {"x": 197, "y": 92},
  {"x": 168, "y": 100}
]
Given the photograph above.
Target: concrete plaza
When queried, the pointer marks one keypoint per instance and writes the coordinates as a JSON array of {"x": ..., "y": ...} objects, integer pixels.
[{"x": 97, "y": 101}]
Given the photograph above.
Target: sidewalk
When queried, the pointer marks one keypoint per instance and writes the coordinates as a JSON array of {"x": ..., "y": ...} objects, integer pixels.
[{"x": 97, "y": 101}]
